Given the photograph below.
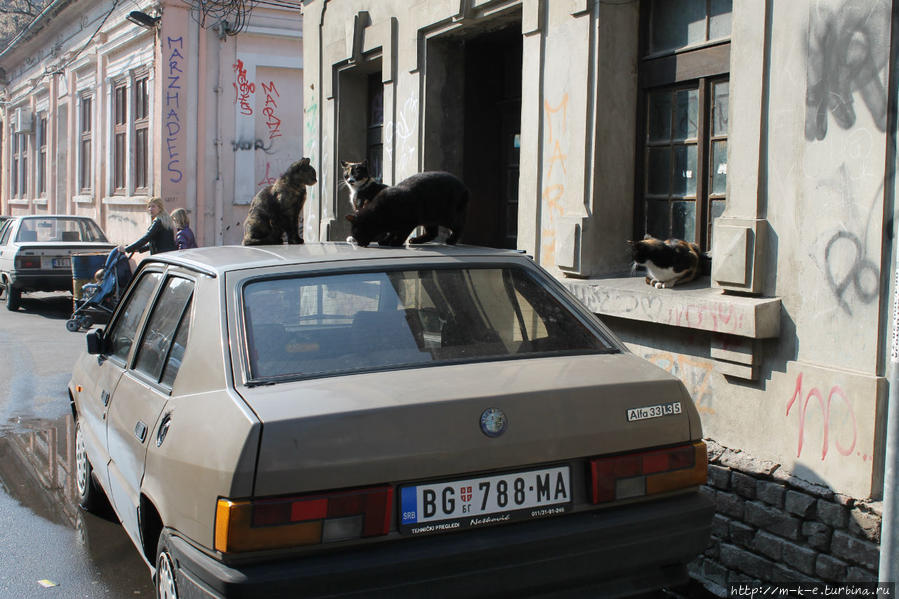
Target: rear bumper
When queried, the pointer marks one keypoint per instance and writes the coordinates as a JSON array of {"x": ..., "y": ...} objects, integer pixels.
[
  {"x": 606, "y": 553},
  {"x": 42, "y": 280}
]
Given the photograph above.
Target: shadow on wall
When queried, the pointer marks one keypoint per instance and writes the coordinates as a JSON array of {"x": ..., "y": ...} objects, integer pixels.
[{"x": 776, "y": 526}]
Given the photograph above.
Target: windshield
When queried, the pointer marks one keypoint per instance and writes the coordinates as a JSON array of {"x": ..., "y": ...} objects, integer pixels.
[
  {"x": 315, "y": 326},
  {"x": 59, "y": 229}
]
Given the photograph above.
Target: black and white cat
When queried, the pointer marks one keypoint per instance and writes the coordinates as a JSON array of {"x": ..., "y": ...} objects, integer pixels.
[
  {"x": 668, "y": 262},
  {"x": 431, "y": 199},
  {"x": 363, "y": 187}
]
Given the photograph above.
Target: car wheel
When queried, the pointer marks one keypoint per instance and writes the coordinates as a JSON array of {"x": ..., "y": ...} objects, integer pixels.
[
  {"x": 90, "y": 496},
  {"x": 166, "y": 585},
  {"x": 13, "y": 298}
]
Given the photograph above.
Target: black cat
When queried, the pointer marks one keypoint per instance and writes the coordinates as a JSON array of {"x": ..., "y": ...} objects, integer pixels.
[
  {"x": 363, "y": 188},
  {"x": 430, "y": 199},
  {"x": 668, "y": 262}
]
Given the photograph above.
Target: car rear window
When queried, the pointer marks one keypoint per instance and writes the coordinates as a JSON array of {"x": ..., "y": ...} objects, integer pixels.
[
  {"x": 59, "y": 229},
  {"x": 335, "y": 324}
]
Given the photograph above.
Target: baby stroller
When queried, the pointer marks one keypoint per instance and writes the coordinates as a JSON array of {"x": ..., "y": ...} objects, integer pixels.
[{"x": 101, "y": 298}]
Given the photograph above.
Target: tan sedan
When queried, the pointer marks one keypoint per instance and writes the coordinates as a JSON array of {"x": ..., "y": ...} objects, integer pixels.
[{"x": 329, "y": 420}]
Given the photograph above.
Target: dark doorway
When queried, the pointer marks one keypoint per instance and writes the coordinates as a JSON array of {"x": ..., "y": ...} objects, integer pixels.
[{"x": 492, "y": 125}]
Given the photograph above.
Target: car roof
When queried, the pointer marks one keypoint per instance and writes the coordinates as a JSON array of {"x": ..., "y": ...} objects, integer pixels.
[{"x": 219, "y": 259}]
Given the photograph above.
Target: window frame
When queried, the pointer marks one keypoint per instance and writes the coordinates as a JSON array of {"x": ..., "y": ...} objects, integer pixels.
[
  {"x": 85, "y": 144},
  {"x": 41, "y": 160},
  {"x": 697, "y": 65},
  {"x": 120, "y": 138},
  {"x": 140, "y": 145}
]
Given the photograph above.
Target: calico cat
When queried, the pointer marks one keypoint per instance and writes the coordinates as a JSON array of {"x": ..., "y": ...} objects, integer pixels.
[
  {"x": 275, "y": 211},
  {"x": 430, "y": 199},
  {"x": 363, "y": 188},
  {"x": 668, "y": 262}
]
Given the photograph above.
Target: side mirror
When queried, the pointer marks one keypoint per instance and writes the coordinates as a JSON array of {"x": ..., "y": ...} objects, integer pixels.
[{"x": 95, "y": 342}]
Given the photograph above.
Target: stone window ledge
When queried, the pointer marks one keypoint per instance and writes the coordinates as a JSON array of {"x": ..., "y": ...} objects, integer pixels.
[{"x": 693, "y": 306}]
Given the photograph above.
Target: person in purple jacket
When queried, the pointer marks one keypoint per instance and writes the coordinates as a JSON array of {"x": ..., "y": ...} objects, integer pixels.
[{"x": 184, "y": 237}]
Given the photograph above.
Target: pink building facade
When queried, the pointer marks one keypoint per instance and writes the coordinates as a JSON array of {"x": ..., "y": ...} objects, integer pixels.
[{"x": 100, "y": 113}]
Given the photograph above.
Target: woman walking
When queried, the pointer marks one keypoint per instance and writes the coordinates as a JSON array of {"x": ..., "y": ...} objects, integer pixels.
[{"x": 160, "y": 235}]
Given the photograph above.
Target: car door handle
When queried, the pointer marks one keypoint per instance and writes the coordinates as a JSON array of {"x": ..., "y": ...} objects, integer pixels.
[
  {"x": 140, "y": 431},
  {"x": 104, "y": 397}
]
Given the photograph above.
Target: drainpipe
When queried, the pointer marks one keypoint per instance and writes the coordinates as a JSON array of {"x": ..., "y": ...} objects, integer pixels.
[
  {"x": 889, "y": 528},
  {"x": 321, "y": 119}
]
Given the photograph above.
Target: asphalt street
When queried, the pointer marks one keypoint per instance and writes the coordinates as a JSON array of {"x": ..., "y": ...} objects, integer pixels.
[{"x": 48, "y": 546}]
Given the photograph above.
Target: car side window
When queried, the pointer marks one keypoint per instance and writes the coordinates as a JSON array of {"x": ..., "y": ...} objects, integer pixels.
[
  {"x": 121, "y": 335},
  {"x": 5, "y": 230},
  {"x": 162, "y": 327},
  {"x": 176, "y": 354}
]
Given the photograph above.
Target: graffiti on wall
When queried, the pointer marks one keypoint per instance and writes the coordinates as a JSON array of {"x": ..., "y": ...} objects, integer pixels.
[
  {"x": 272, "y": 122},
  {"x": 695, "y": 373},
  {"x": 174, "y": 72},
  {"x": 404, "y": 131},
  {"x": 718, "y": 317},
  {"x": 555, "y": 170},
  {"x": 848, "y": 54},
  {"x": 853, "y": 277},
  {"x": 243, "y": 89},
  {"x": 838, "y": 424}
]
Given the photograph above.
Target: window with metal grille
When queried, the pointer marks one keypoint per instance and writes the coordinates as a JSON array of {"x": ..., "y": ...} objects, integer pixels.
[{"x": 685, "y": 90}]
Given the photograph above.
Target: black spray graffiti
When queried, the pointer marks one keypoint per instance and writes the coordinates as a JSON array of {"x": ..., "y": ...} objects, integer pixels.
[
  {"x": 848, "y": 52},
  {"x": 860, "y": 270}
]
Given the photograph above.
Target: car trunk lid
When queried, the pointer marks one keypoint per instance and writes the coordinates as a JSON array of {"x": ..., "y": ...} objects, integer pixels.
[{"x": 414, "y": 424}]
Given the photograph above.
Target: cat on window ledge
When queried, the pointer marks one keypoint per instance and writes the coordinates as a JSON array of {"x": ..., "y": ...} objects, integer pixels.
[{"x": 668, "y": 262}]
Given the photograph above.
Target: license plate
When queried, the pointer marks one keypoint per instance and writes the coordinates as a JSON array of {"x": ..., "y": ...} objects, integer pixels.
[
  {"x": 61, "y": 263},
  {"x": 475, "y": 502}
]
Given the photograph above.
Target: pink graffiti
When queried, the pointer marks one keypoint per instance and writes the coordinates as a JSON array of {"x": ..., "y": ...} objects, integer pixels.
[
  {"x": 267, "y": 179},
  {"x": 720, "y": 318},
  {"x": 243, "y": 88},
  {"x": 835, "y": 390},
  {"x": 271, "y": 120}
]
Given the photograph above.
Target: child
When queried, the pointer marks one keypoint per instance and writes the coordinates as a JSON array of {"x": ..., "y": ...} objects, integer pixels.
[{"x": 184, "y": 237}]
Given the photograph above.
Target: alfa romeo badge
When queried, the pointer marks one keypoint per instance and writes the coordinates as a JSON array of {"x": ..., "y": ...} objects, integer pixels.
[{"x": 493, "y": 422}]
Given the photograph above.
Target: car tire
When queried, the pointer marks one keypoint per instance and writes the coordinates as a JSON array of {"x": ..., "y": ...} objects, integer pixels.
[
  {"x": 13, "y": 298},
  {"x": 90, "y": 495},
  {"x": 165, "y": 580}
]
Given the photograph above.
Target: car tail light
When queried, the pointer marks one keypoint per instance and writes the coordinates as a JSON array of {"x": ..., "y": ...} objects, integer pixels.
[
  {"x": 648, "y": 472},
  {"x": 251, "y": 525},
  {"x": 28, "y": 262}
]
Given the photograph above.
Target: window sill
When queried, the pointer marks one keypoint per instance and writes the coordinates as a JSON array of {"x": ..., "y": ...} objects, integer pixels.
[
  {"x": 82, "y": 199},
  {"x": 126, "y": 200},
  {"x": 693, "y": 306},
  {"x": 18, "y": 202}
]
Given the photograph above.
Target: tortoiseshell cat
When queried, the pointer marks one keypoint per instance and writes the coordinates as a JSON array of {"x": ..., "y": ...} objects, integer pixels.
[
  {"x": 275, "y": 210},
  {"x": 668, "y": 262},
  {"x": 363, "y": 188}
]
